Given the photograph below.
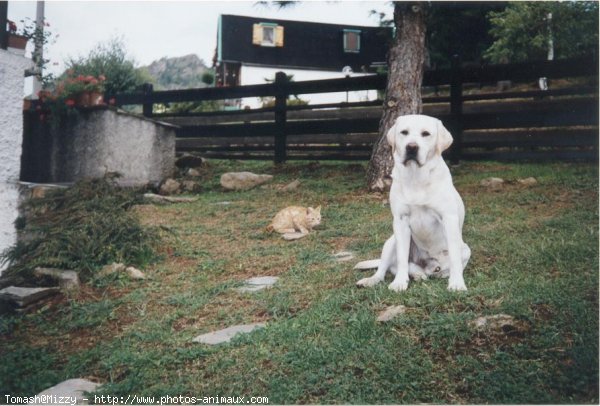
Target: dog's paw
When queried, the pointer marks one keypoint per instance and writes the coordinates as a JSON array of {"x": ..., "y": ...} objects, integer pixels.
[
  {"x": 455, "y": 285},
  {"x": 368, "y": 282},
  {"x": 398, "y": 286}
]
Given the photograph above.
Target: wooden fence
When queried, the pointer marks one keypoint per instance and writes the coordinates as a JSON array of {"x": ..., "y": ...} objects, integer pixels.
[{"x": 561, "y": 123}]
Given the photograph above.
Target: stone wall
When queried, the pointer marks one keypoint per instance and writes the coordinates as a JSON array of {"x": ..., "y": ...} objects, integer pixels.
[
  {"x": 92, "y": 142},
  {"x": 12, "y": 68}
]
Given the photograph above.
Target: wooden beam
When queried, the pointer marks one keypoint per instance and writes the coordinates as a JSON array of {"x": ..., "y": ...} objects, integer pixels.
[{"x": 3, "y": 24}]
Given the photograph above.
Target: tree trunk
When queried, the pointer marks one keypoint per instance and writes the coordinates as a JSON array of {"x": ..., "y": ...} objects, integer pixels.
[{"x": 406, "y": 60}]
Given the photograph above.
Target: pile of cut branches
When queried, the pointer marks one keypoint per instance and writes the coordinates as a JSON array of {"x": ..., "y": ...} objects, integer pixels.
[{"x": 81, "y": 228}]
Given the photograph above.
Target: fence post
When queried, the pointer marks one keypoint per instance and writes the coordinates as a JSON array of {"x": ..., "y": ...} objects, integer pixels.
[
  {"x": 3, "y": 22},
  {"x": 147, "y": 89},
  {"x": 280, "y": 118},
  {"x": 456, "y": 127}
]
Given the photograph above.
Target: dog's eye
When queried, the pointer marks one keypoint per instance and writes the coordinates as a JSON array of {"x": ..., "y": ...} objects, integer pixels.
[
  {"x": 437, "y": 269},
  {"x": 425, "y": 134},
  {"x": 404, "y": 132}
]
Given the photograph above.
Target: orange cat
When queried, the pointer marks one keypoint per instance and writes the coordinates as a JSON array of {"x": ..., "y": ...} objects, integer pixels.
[{"x": 295, "y": 219}]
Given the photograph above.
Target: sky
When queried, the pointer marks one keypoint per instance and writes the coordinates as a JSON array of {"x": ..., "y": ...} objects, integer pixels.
[{"x": 155, "y": 29}]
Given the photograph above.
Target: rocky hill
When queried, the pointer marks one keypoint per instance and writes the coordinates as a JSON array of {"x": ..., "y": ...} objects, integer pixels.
[{"x": 178, "y": 73}]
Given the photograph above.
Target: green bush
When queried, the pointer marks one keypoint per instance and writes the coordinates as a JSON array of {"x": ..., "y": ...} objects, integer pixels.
[{"x": 110, "y": 59}]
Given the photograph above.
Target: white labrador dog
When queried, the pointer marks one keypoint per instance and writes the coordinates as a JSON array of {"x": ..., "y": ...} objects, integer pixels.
[{"x": 428, "y": 213}]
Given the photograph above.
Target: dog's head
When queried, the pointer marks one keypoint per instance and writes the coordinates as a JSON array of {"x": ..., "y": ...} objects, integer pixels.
[{"x": 417, "y": 138}]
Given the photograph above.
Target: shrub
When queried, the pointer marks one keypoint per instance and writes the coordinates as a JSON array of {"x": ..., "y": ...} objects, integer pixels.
[{"x": 110, "y": 60}]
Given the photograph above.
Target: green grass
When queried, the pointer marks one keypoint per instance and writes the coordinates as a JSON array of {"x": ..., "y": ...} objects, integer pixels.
[{"x": 535, "y": 257}]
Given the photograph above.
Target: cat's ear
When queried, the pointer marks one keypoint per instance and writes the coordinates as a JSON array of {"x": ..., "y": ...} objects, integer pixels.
[{"x": 318, "y": 209}]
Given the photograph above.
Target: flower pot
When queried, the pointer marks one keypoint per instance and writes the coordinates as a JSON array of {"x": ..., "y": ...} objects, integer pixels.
[
  {"x": 96, "y": 99},
  {"x": 83, "y": 99},
  {"x": 17, "y": 41}
]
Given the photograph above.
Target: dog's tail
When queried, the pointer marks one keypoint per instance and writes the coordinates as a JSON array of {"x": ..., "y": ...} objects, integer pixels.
[{"x": 370, "y": 264}]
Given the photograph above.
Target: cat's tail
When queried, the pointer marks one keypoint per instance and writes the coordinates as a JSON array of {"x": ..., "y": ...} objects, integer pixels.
[{"x": 370, "y": 264}]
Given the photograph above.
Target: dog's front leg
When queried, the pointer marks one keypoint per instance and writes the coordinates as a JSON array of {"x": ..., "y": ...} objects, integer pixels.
[
  {"x": 455, "y": 246},
  {"x": 402, "y": 234}
]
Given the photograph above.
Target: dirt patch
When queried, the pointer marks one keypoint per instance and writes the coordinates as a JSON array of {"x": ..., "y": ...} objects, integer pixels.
[{"x": 542, "y": 311}]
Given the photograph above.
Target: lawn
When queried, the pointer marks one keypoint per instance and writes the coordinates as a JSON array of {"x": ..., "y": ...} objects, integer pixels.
[{"x": 534, "y": 257}]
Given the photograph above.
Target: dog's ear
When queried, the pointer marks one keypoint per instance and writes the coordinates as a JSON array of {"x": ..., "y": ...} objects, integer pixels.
[
  {"x": 444, "y": 138},
  {"x": 391, "y": 136}
]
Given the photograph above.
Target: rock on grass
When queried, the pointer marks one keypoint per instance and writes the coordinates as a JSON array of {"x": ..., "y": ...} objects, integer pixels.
[{"x": 243, "y": 180}]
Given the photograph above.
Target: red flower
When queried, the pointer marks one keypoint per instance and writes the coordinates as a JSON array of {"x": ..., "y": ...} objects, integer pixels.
[{"x": 70, "y": 102}]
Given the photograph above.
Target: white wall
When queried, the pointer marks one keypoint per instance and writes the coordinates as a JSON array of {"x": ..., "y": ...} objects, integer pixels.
[
  {"x": 12, "y": 68},
  {"x": 96, "y": 141},
  {"x": 251, "y": 75}
]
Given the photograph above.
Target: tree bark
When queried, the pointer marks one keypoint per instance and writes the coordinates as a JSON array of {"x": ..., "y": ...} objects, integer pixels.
[{"x": 406, "y": 59}]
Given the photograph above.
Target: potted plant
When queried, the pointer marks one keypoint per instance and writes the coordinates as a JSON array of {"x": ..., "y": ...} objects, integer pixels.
[
  {"x": 80, "y": 90},
  {"x": 16, "y": 40},
  {"x": 69, "y": 93}
]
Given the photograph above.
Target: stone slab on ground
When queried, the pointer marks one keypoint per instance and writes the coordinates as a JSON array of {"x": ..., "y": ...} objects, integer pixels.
[
  {"x": 243, "y": 180},
  {"x": 67, "y": 280},
  {"x": 135, "y": 273},
  {"x": 132, "y": 272},
  {"x": 492, "y": 183},
  {"x": 154, "y": 198},
  {"x": 225, "y": 335},
  {"x": 25, "y": 296},
  {"x": 291, "y": 186},
  {"x": 293, "y": 236},
  {"x": 343, "y": 256},
  {"x": 190, "y": 186},
  {"x": 169, "y": 187},
  {"x": 391, "y": 312},
  {"x": 531, "y": 181},
  {"x": 258, "y": 283},
  {"x": 71, "y": 389}
]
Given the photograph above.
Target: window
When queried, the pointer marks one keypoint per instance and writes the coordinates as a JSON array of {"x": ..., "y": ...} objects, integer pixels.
[
  {"x": 267, "y": 35},
  {"x": 352, "y": 41}
]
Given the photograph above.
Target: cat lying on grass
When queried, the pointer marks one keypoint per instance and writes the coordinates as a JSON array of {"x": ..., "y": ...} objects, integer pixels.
[
  {"x": 425, "y": 269},
  {"x": 295, "y": 222}
]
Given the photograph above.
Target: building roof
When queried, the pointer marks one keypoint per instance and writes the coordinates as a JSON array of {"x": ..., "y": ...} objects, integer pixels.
[{"x": 306, "y": 45}]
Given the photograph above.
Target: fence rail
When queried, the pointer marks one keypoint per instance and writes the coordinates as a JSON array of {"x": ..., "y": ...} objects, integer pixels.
[{"x": 532, "y": 124}]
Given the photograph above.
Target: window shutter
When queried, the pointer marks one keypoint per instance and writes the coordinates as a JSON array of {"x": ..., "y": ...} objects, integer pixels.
[
  {"x": 256, "y": 34},
  {"x": 279, "y": 36}
]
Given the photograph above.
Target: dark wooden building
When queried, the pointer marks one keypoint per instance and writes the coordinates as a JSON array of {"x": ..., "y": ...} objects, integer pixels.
[{"x": 283, "y": 44}]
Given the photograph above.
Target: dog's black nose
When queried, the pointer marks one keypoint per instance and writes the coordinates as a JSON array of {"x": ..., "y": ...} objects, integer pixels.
[{"x": 411, "y": 150}]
